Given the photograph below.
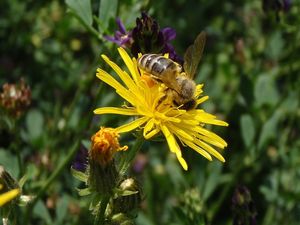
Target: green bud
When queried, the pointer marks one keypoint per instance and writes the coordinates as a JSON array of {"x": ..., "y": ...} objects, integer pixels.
[{"x": 129, "y": 198}]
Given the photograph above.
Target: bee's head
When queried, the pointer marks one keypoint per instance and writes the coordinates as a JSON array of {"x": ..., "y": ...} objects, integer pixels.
[{"x": 187, "y": 87}]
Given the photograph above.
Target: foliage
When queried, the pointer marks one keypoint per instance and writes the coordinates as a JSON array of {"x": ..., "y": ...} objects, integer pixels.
[{"x": 250, "y": 69}]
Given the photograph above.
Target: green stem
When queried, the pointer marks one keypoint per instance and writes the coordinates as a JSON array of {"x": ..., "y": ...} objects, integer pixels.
[
  {"x": 49, "y": 181},
  {"x": 125, "y": 163},
  {"x": 100, "y": 217}
]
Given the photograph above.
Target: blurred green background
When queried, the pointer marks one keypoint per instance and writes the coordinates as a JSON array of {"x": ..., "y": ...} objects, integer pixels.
[{"x": 250, "y": 69}]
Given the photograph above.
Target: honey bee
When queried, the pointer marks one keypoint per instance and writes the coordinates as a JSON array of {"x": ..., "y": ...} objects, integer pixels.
[{"x": 179, "y": 81}]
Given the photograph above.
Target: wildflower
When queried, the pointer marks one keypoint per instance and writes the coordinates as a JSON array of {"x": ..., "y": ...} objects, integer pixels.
[
  {"x": 149, "y": 38},
  {"x": 103, "y": 174},
  {"x": 15, "y": 98},
  {"x": 121, "y": 37},
  {"x": 146, "y": 37},
  {"x": 154, "y": 114},
  {"x": 81, "y": 158},
  {"x": 105, "y": 144}
]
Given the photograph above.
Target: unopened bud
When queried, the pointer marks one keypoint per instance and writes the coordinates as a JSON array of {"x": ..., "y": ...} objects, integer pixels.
[{"x": 130, "y": 197}]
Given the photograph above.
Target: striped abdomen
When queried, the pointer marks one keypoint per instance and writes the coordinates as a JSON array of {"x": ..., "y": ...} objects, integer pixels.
[{"x": 158, "y": 65}]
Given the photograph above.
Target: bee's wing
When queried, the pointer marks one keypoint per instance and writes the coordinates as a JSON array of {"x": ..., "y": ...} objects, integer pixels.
[{"x": 193, "y": 55}]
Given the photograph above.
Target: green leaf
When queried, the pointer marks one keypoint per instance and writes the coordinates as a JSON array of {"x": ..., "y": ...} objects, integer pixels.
[
  {"x": 35, "y": 124},
  {"x": 247, "y": 129},
  {"x": 275, "y": 46},
  {"x": 269, "y": 129},
  {"x": 107, "y": 10},
  {"x": 265, "y": 90},
  {"x": 212, "y": 180},
  {"x": 83, "y": 9},
  {"x": 79, "y": 175},
  {"x": 41, "y": 211},
  {"x": 61, "y": 209}
]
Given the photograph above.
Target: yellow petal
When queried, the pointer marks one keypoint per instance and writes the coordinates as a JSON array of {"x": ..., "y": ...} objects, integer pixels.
[
  {"x": 174, "y": 147},
  {"x": 220, "y": 123},
  {"x": 6, "y": 197},
  {"x": 150, "y": 129},
  {"x": 199, "y": 89},
  {"x": 180, "y": 133},
  {"x": 123, "y": 92},
  {"x": 210, "y": 141},
  {"x": 182, "y": 163},
  {"x": 210, "y": 135},
  {"x": 198, "y": 149},
  {"x": 132, "y": 125},
  {"x": 209, "y": 149},
  {"x": 127, "y": 60},
  {"x": 152, "y": 133},
  {"x": 122, "y": 74},
  {"x": 201, "y": 100},
  {"x": 115, "y": 110}
]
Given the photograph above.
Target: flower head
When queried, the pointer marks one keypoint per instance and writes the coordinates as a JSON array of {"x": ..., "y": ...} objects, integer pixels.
[
  {"x": 154, "y": 113},
  {"x": 146, "y": 37},
  {"x": 81, "y": 159},
  {"x": 105, "y": 144},
  {"x": 102, "y": 172},
  {"x": 15, "y": 98},
  {"x": 149, "y": 38},
  {"x": 121, "y": 37}
]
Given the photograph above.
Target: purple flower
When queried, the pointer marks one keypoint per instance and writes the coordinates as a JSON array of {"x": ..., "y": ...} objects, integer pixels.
[
  {"x": 81, "y": 159},
  {"x": 149, "y": 38},
  {"x": 169, "y": 34},
  {"x": 286, "y": 5},
  {"x": 146, "y": 37},
  {"x": 121, "y": 37}
]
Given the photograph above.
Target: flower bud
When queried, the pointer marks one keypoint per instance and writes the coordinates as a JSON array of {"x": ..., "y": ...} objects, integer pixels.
[
  {"x": 102, "y": 170},
  {"x": 130, "y": 197}
]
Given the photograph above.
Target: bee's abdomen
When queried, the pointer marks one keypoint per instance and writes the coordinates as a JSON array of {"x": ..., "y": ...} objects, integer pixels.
[{"x": 155, "y": 64}]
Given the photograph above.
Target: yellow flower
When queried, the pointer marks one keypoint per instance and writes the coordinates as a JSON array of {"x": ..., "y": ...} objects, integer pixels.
[
  {"x": 8, "y": 196},
  {"x": 155, "y": 115},
  {"x": 104, "y": 145}
]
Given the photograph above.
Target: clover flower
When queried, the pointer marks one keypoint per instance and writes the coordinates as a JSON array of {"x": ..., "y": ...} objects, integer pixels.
[
  {"x": 146, "y": 37},
  {"x": 121, "y": 37},
  {"x": 81, "y": 159},
  {"x": 155, "y": 115},
  {"x": 15, "y": 98}
]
